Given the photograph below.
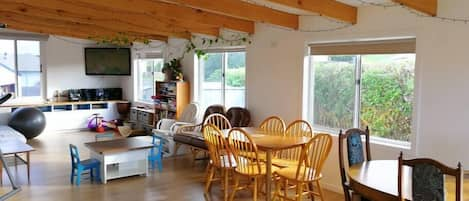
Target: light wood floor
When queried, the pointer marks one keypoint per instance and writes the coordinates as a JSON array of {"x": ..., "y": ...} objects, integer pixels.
[{"x": 50, "y": 177}]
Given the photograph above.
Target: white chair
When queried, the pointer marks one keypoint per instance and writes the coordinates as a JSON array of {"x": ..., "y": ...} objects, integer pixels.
[{"x": 189, "y": 116}]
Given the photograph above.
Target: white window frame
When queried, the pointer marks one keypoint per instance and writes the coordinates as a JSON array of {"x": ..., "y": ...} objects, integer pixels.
[
  {"x": 200, "y": 73},
  {"x": 143, "y": 55},
  {"x": 42, "y": 74},
  {"x": 309, "y": 102}
]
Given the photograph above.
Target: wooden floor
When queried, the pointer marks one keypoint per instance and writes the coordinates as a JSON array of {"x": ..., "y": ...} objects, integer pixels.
[{"x": 50, "y": 177}]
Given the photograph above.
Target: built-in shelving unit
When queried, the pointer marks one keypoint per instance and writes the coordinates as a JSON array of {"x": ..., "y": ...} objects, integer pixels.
[{"x": 173, "y": 97}]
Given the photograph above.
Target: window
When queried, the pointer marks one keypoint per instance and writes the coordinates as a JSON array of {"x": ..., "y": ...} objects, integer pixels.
[
  {"x": 149, "y": 71},
  {"x": 20, "y": 68},
  {"x": 359, "y": 90},
  {"x": 222, "y": 78}
]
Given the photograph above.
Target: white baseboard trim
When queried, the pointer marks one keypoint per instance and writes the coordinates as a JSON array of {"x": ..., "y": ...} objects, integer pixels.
[{"x": 332, "y": 187}]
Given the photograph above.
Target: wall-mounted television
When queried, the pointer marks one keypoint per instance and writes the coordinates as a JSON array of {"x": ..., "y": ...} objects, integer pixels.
[{"x": 107, "y": 61}]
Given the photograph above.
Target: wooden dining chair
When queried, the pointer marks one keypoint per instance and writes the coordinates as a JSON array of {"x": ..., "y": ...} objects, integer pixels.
[
  {"x": 288, "y": 157},
  {"x": 220, "y": 159},
  {"x": 428, "y": 179},
  {"x": 355, "y": 153},
  {"x": 250, "y": 167},
  {"x": 218, "y": 120},
  {"x": 273, "y": 125},
  {"x": 307, "y": 173}
]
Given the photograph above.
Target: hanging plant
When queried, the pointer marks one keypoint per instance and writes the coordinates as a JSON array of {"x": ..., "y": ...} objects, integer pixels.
[
  {"x": 235, "y": 39},
  {"x": 120, "y": 40}
]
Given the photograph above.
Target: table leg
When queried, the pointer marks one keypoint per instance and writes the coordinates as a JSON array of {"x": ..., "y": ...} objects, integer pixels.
[
  {"x": 28, "y": 166},
  {"x": 268, "y": 179},
  {"x": 1, "y": 173}
]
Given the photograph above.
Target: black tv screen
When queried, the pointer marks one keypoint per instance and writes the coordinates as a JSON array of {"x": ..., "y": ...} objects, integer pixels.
[{"x": 107, "y": 61}]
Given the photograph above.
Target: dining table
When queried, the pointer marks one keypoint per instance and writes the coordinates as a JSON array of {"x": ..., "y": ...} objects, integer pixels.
[
  {"x": 270, "y": 142},
  {"x": 377, "y": 180}
]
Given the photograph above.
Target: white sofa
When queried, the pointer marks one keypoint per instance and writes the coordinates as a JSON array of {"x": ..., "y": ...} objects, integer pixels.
[{"x": 7, "y": 133}]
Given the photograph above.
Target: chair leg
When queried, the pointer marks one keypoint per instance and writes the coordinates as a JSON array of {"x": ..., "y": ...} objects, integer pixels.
[
  {"x": 285, "y": 189},
  {"x": 98, "y": 173},
  {"x": 91, "y": 174},
  {"x": 299, "y": 192},
  {"x": 208, "y": 182},
  {"x": 321, "y": 194},
  {"x": 72, "y": 175},
  {"x": 79, "y": 170},
  {"x": 346, "y": 193},
  {"x": 160, "y": 164},
  {"x": 255, "y": 189},
  {"x": 225, "y": 184},
  {"x": 235, "y": 188}
]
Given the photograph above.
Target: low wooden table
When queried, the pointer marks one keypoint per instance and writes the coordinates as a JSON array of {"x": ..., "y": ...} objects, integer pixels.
[
  {"x": 270, "y": 143},
  {"x": 121, "y": 157},
  {"x": 16, "y": 147},
  {"x": 377, "y": 180}
]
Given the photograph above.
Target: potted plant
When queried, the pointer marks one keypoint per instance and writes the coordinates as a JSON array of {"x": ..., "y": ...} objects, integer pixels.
[{"x": 172, "y": 70}]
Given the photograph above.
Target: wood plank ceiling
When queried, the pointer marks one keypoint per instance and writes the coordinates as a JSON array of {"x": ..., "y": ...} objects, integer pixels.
[{"x": 160, "y": 19}]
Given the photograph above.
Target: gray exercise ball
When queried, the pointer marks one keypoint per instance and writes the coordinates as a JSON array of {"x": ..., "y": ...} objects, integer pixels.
[{"x": 29, "y": 121}]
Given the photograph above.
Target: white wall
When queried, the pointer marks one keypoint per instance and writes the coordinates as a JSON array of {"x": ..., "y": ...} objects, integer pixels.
[
  {"x": 275, "y": 77},
  {"x": 65, "y": 67}
]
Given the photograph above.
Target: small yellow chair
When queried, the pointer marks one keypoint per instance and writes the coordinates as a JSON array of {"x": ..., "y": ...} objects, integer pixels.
[
  {"x": 250, "y": 167},
  {"x": 220, "y": 158},
  {"x": 308, "y": 172},
  {"x": 273, "y": 125},
  {"x": 289, "y": 157}
]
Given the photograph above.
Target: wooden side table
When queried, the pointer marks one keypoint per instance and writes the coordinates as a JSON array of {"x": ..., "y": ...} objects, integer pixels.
[{"x": 16, "y": 147}]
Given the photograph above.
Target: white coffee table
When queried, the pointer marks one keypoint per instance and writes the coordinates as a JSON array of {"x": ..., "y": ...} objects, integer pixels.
[{"x": 121, "y": 157}]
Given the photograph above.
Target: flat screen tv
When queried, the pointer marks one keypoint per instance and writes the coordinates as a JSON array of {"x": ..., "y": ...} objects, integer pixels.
[{"x": 107, "y": 61}]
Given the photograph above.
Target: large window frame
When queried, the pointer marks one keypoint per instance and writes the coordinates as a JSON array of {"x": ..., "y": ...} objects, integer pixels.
[
  {"x": 199, "y": 72},
  {"x": 308, "y": 99},
  {"x": 18, "y": 93},
  {"x": 138, "y": 80}
]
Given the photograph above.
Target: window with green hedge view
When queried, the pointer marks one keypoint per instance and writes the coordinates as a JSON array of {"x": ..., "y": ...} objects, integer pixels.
[{"x": 371, "y": 90}]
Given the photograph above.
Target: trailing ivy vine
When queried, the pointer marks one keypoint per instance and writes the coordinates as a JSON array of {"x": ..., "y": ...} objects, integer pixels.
[
  {"x": 120, "y": 40},
  {"x": 235, "y": 39}
]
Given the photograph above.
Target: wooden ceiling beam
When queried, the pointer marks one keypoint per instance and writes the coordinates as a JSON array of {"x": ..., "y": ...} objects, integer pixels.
[
  {"x": 244, "y": 10},
  {"x": 157, "y": 9},
  {"x": 429, "y": 7},
  {"x": 56, "y": 27},
  {"x": 328, "y": 8},
  {"x": 103, "y": 17}
]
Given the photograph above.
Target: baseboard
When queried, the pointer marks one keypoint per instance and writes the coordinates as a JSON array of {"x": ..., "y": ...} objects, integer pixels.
[{"x": 332, "y": 187}]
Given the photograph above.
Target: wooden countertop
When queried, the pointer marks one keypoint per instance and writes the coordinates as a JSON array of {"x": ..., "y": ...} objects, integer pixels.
[
  {"x": 118, "y": 145},
  {"x": 45, "y": 103}
]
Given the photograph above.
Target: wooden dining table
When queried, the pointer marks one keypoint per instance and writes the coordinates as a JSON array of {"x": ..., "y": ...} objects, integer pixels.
[
  {"x": 377, "y": 180},
  {"x": 269, "y": 143}
]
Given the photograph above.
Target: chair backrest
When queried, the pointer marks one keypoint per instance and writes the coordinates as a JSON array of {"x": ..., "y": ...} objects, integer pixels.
[
  {"x": 238, "y": 116},
  {"x": 428, "y": 181},
  {"x": 103, "y": 137},
  {"x": 355, "y": 155},
  {"x": 158, "y": 143},
  {"x": 218, "y": 120},
  {"x": 298, "y": 128},
  {"x": 216, "y": 145},
  {"x": 74, "y": 155},
  {"x": 213, "y": 109},
  {"x": 273, "y": 125},
  {"x": 245, "y": 151},
  {"x": 190, "y": 113},
  {"x": 315, "y": 154}
]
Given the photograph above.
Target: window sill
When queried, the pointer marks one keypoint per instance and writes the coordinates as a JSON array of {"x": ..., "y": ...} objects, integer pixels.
[
  {"x": 373, "y": 139},
  {"x": 144, "y": 103}
]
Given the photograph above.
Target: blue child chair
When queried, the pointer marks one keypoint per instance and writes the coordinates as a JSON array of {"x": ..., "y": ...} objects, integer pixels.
[
  {"x": 156, "y": 153},
  {"x": 79, "y": 166}
]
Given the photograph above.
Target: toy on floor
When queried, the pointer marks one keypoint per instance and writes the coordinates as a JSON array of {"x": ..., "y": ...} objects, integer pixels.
[{"x": 97, "y": 123}]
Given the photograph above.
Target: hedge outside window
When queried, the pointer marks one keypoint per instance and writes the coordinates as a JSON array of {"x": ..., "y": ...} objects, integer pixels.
[
  {"x": 149, "y": 71},
  {"x": 359, "y": 90}
]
